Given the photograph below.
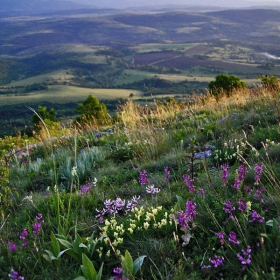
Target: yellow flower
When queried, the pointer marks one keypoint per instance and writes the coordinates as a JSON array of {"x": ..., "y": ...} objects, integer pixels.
[
  {"x": 146, "y": 225},
  {"x": 130, "y": 230},
  {"x": 155, "y": 211},
  {"x": 249, "y": 204},
  {"x": 107, "y": 223},
  {"x": 159, "y": 225},
  {"x": 108, "y": 253},
  {"x": 133, "y": 226},
  {"x": 164, "y": 222},
  {"x": 120, "y": 240},
  {"x": 116, "y": 234},
  {"x": 115, "y": 242}
]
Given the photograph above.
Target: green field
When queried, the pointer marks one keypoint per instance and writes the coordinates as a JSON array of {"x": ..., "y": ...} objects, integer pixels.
[
  {"x": 151, "y": 47},
  {"x": 63, "y": 94}
]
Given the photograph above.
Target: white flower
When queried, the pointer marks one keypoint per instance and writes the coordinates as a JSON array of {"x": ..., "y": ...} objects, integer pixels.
[
  {"x": 152, "y": 190},
  {"x": 74, "y": 171}
]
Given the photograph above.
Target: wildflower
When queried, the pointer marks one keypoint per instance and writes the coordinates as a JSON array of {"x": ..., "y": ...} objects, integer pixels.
[
  {"x": 143, "y": 178},
  {"x": 245, "y": 258},
  {"x": 117, "y": 270},
  {"x": 15, "y": 275},
  {"x": 86, "y": 188},
  {"x": 225, "y": 173},
  {"x": 74, "y": 171},
  {"x": 221, "y": 236},
  {"x": 242, "y": 206},
  {"x": 189, "y": 182},
  {"x": 152, "y": 190},
  {"x": 167, "y": 173},
  {"x": 232, "y": 238},
  {"x": 217, "y": 261},
  {"x": 130, "y": 230},
  {"x": 258, "y": 170},
  {"x": 242, "y": 171},
  {"x": 119, "y": 203},
  {"x": 11, "y": 246},
  {"x": 256, "y": 217},
  {"x": 229, "y": 208},
  {"x": 188, "y": 215},
  {"x": 23, "y": 234},
  {"x": 37, "y": 226},
  {"x": 146, "y": 225}
]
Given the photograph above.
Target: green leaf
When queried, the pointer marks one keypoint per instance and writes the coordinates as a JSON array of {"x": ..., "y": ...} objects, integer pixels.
[
  {"x": 137, "y": 264},
  {"x": 99, "y": 275},
  {"x": 61, "y": 253},
  {"x": 269, "y": 223},
  {"x": 80, "y": 278},
  {"x": 179, "y": 198},
  {"x": 88, "y": 268},
  {"x": 77, "y": 242},
  {"x": 128, "y": 262},
  {"x": 65, "y": 243},
  {"x": 55, "y": 244}
]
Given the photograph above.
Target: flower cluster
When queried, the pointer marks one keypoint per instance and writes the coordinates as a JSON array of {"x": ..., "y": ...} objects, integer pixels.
[
  {"x": 118, "y": 271},
  {"x": 143, "y": 178},
  {"x": 152, "y": 190},
  {"x": 225, "y": 173},
  {"x": 258, "y": 170},
  {"x": 185, "y": 217},
  {"x": 221, "y": 236},
  {"x": 229, "y": 208},
  {"x": 15, "y": 275},
  {"x": 38, "y": 225},
  {"x": 256, "y": 217},
  {"x": 242, "y": 171},
  {"x": 232, "y": 238},
  {"x": 217, "y": 261},
  {"x": 245, "y": 256},
  {"x": 189, "y": 182},
  {"x": 118, "y": 206},
  {"x": 22, "y": 236},
  {"x": 167, "y": 173}
]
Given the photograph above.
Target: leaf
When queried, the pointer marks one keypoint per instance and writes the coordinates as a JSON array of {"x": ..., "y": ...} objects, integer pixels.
[
  {"x": 179, "y": 198},
  {"x": 128, "y": 262},
  {"x": 55, "y": 244},
  {"x": 269, "y": 223},
  {"x": 80, "y": 278},
  {"x": 65, "y": 243},
  {"x": 61, "y": 253},
  {"x": 137, "y": 264},
  {"x": 99, "y": 275},
  {"x": 77, "y": 242},
  {"x": 88, "y": 268}
]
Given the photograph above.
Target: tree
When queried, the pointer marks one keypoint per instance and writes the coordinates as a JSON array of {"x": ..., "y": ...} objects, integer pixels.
[
  {"x": 92, "y": 110},
  {"x": 270, "y": 82},
  {"x": 48, "y": 117},
  {"x": 225, "y": 84}
]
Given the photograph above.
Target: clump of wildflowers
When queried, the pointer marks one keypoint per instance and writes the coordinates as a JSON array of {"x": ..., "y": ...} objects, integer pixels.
[
  {"x": 225, "y": 173},
  {"x": 256, "y": 217},
  {"x": 15, "y": 275},
  {"x": 143, "y": 178},
  {"x": 22, "y": 236},
  {"x": 221, "y": 236},
  {"x": 245, "y": 256},
  {"x": 229, "y": 208},
  {"x": 118, "y": 271},
  {"x": 258, "y": 170},
  {"x": 189, "y": 182},
  {"x": 185, "y": 217},
  {"x": 242, "y": 171},
  {"x": 167, "y": 173},
  {"x": 152, "y": 190},
  {"x": 217, "y": 260},
  {"x": 232, "y": 238},
  {"x": 11, "y": 246},
  {"x": 38, "y": 225},
  {"x": 118, "y": 206}
]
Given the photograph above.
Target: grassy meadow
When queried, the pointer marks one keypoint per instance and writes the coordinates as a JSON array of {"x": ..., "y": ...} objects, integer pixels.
[{"x": 175, "y": 190}]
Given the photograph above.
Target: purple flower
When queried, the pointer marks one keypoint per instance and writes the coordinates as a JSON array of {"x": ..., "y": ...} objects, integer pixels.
[
  {"x": 221, "y": 236},
  {"x": 256, "y": 217},
  {"x": 167, "y": 173},
  {"x": 23, "y": 234},
  {"x": 143, "y": 178},
  {"x": 117, "y": 270},
  {"x": 232, "y": 238},
  {"x": 152, "y": 190},
  {"x": 217, "y": 261},
  {"x": 119, "y": 203},
  {"x": 245, "y": 256},
  {"x": 225, "y": 173},
  {"x": 86, "y": 188},
  {"x": 189, "y": 182},
  {"x": 242, "y": 205},
  {"x": 188, "y": 215},
  {"x": 39, "y": 217},
  {"x": 15, "y": 275},
  {"x": 201, "y": 192},
  {"x": 242, "y": 171},
  {"x": 11, "y": 246},
  {"x": 37, "y": 226},
  {"x": 258, "y": 170}
]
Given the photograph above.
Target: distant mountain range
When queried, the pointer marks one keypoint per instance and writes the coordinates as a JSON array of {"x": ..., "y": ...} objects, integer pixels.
[{"x": 34, "y": 7}]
